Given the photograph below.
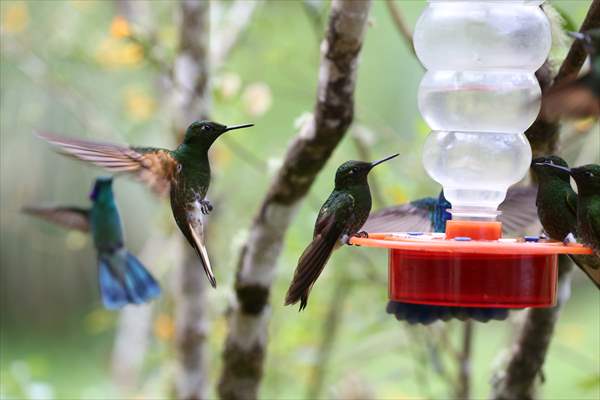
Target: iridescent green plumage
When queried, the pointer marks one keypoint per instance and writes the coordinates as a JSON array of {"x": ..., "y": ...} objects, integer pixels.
[
  {"x": 342, "y": 215},
  {"x": 563, "y": 212},
  {"x": 122, "y": 277},
  {"x": 183, "y": 173}
]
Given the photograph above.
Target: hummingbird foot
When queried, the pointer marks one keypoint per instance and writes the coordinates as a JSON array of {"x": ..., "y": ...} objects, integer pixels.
[
  {"x": 346, "y": 239},
  {"x": 205, "y": 207},
  {"x": 570, "y": 238}
]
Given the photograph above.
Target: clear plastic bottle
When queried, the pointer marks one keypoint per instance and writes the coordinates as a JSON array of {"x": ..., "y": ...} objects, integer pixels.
[{"x": 479, "y": 95}]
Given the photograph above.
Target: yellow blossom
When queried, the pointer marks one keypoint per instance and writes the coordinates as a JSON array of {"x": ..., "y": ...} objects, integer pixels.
[
  {"x": 114, "y": 53},
  {"x": 164, "y": 327},
  {"x": 138, "y": 104},
  {"x": 15, "y": 17},
  {"x": 119, "y": 28}
]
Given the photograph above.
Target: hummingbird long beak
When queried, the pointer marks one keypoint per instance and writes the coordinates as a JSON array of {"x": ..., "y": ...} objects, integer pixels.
[
  {"x": 550, "y": 164},
  {"x": 375, "y": 163},
  {"x": 230, "y": 128}
]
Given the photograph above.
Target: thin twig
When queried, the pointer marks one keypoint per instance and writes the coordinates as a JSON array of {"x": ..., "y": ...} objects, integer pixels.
[
  {"x": 330, "y": 329},
  {"x": 464, "y": 363},
  {"x": 400, "y": 24}
]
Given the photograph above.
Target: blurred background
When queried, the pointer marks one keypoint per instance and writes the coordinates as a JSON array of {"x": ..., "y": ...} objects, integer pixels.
[{"x": 68, "y": 67}]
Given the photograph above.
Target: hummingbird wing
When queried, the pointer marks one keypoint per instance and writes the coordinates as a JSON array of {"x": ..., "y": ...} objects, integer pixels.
[
  {"x": 519, "y": 211},
  {"x": 410, "y": 217},
  {"x": 68, "y": 217},
  {"x": 153, "y": 166},
  {"x": 331, "y": 224},
  {"x": 573, "y": 99}
]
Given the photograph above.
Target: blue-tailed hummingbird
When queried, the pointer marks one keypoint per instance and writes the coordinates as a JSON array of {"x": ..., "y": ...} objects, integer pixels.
[{"x": 121, "y": 276}]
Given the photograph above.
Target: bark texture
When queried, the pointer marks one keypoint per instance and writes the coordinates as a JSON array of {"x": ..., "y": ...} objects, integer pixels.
[
  {"x": 518, "y": 379},
  {"x": 543, "y": 135},
  {"x": 191, "y": 101},
  {"x": 246, "y": 343}
]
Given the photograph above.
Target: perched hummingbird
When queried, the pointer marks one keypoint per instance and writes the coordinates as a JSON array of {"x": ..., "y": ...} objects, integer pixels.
[
  {"x": 183, "y": 172},
  {"x": 560, "y": 208},
  {"x": 122, "y": 277},
  {"x": 430, "y": 213},
  {"x": 340, "y": 218},
  {"x": 587, "y": 178},
  {"x": 577, "y": 98}
]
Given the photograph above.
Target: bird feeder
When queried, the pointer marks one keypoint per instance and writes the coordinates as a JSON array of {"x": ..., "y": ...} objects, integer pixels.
[{"x": 479, "y": 95}]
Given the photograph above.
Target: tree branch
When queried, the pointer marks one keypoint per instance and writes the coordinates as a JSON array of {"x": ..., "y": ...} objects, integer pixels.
[
  {"x": 543, "y": 134},
  {"x": 463, "y": 391},
  {"x": 330, "y": 328},
  {"x": 517, "y": 381},
  {"x": 246, "y": 343},
  {"x": 403, "y": 29},
  {"x": 191, "y": 100}
]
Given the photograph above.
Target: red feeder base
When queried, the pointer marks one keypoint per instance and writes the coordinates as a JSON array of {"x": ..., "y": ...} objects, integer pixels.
[
  {"x": 472, "y": 280},
  {"x": 471, "y": 266}
]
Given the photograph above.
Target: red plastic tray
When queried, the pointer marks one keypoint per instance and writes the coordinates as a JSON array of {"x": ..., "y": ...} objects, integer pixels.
[{"x": 507, "y": 273}]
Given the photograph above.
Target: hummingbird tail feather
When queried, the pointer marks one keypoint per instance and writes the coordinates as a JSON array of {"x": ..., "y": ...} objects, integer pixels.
[
  {"x": 309, "y": 268},
  {"x": 203, "y": 254},
  {"x": 133, "y": 285},
  {"x": 427, "y": 314},
  {"x": 140, "y": 284},
  {"x": 590, "y": 265},
  {"x": 112, "y": 291}
]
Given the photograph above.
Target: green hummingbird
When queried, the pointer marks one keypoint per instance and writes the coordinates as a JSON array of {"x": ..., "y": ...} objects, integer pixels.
[
  {"x": 587, "y": 178},
  {"x": 121, "y": 276},
  {"x": 566, "y": 215},
  {"x": 340, "y": 218},
  {"x": 577, "y": 98},
  {"x": 183, "y": 173}
]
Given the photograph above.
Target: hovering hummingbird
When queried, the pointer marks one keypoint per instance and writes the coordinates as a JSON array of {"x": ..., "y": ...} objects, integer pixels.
[
  {"x": 430, "y": 214},
  {"x": 577, "y": 98},
  {"x": 340, "y": 218},
  {"x": 184, "y": 173},
  {"x": 564, "y": 214},
  {"x": 122, "y": 277}
]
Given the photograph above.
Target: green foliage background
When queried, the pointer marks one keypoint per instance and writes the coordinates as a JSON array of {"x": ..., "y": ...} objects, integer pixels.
[{"x": 62, "y": 70}]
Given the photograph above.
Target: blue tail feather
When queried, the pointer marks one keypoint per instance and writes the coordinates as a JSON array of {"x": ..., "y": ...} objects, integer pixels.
[
  {"x": 112, "y": 291},
  {"x": 124, "y": 280},
  {"x": 140, "y": 284}
]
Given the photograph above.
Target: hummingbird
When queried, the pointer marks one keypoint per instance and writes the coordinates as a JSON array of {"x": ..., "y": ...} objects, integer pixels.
[
  {"x": 577, "y": 98},
  {"x": 122, "y": 278},
  {"x": 183, "y": 173},
  {"x": 340, "y": 218},
  {"x": 430, "y": 214},
  {"x": 564, "y": 214}
]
